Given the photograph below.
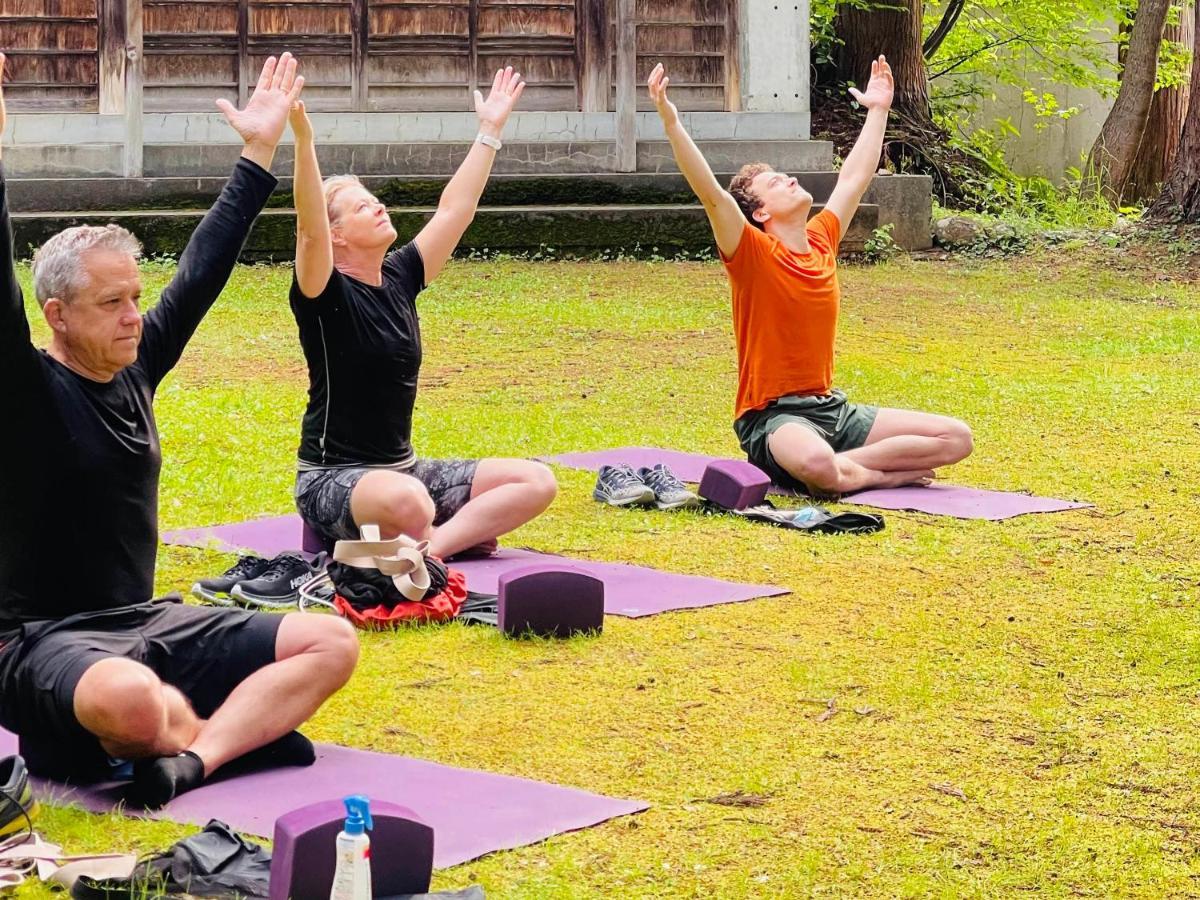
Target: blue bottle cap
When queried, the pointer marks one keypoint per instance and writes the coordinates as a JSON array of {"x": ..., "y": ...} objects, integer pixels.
[{"x": 358, "y": 814}]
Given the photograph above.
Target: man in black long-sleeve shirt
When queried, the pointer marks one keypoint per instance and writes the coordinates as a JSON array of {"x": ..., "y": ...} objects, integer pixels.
[{"x": 92, "y": 671}]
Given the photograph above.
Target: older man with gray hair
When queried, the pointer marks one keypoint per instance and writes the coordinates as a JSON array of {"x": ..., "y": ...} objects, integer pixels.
[{"x": 93, "y": 673}]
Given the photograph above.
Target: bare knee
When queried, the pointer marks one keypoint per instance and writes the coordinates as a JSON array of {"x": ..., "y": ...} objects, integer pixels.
[
  {"x": 407, "y": 507},
  {"x": 814, "y": 466},
  {"x": 122, "y": 702},
  {"x": 542, "y": 485},
  {"x": 330, "y": 643},
  {"x": 959, "y": 442}
]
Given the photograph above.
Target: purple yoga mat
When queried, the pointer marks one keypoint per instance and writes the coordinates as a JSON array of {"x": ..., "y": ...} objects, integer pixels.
[
  {"x": 471, "y": 813},
  {"x": 267, "y": 536},
  {"x": 630, "y": 591},
  {"x": 938, "y": 499}
]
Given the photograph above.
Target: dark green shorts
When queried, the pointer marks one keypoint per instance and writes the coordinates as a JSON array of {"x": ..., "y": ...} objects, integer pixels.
[{"x": 843, "y": 425}]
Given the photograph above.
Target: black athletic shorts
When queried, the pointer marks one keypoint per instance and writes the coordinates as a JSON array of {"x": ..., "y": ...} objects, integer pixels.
[
  {"x": 323, "y": 495},
  {"x": 204, "y": 652}
]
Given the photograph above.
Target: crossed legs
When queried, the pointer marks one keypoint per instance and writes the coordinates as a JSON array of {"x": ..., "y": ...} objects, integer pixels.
[
  {"x": 505, "y": 494},
  {"x": 902, "y": 448},
  {"x": 136, "y": 716}
]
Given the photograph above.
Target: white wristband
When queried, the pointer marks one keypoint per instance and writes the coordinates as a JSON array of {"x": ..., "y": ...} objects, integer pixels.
[{"x": 488, "y": 141}]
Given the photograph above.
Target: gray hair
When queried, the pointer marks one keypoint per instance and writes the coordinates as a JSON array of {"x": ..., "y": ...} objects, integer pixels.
[
  {"x": 58, "y": 269},
  {"x": 334, "y": 185}
]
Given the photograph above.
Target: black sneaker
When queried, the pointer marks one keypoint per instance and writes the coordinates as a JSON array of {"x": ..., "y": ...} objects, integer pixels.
[
  {"x": 217, "y": 590},
  {"x": 669, "y": 491},
  {"x": 17, "y": 806},
  {"x": 621, "y": 486},
  {"x": 279, "y": 584}
]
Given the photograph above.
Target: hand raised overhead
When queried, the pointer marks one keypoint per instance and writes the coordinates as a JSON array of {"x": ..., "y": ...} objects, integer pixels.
[
  {"x": 657, "y": 83},
  {"x": 493, "y": 112},
  {"x": 880, "y": 88},
  {"x": 300, "y": 122},
  {"x": 261, "y": 123}
]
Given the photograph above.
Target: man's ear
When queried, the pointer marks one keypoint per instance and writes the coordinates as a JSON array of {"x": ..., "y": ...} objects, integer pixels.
[
  {"x": 760, "y": 215},
  {"x": 52, "y": 309}
]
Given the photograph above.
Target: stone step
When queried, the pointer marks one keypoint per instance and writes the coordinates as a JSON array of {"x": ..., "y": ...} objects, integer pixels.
[
  {"x": 591, "y": 189},
  {"x": 903, "y": 201},
  {"x": 568, "y": 231},
  {"x": 429, "y": 158}
]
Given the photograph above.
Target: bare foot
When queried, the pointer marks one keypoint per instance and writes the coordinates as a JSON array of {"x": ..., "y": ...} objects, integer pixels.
[{"x": 918, "y": 477}]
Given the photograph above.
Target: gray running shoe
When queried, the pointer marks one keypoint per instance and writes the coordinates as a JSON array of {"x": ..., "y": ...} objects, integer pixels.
[
  {"x": 669, "y": 491},
  {"x": 620, "y": 486}
]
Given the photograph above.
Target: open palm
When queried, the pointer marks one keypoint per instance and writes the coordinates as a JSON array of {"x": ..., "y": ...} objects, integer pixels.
[
  {"x": 507, "y": 87},
  {"x": 265, "y": 115},
  {"x": 880, "y": 88}
]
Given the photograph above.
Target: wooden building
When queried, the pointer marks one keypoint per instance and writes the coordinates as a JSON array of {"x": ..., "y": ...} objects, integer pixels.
[
  {"x": 360, "y": 55},
  {"x": 118, "y": 95},
  {"x": 146, "y": 72}
]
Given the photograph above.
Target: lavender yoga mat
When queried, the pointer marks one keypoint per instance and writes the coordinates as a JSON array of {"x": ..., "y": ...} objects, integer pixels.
[
  {"x": 938, "y": 499},
  {"x": 267, "y": 537},
  {"x": 471, "y": 813},
  {"x": 630, "y": 591}
]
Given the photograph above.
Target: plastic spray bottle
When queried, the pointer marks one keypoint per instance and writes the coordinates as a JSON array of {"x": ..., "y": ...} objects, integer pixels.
[{"x": 352, "y": 877}]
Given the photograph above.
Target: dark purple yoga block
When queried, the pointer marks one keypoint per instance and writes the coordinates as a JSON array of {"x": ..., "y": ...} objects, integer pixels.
[
  {"x": 734, "y": 484},
  {"x": 551, "y": 600},
  {"x": 303, "y": 859},
  {"x": 311, "y": 542}
]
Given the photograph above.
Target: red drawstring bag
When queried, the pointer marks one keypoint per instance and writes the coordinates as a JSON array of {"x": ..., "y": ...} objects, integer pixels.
[{"x": 438, "y": 608}]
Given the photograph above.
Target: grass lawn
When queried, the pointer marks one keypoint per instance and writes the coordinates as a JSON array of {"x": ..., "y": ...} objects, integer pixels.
[{"x": 1017, "y": 703}]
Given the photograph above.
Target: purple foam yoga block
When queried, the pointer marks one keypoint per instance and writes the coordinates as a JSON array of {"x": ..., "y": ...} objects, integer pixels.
[
  {"x": 303, "y": 859},
  {"x": 734, "y": 484},
  {"x": 550, "y": 599},
  {"x": 313, "y": 543}
]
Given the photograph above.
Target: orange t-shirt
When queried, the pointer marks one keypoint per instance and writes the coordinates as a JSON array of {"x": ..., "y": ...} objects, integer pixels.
[{"x": 785, "y": 310}]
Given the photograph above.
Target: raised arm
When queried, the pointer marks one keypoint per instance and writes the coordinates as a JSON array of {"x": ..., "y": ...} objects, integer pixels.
[
  {"x": 859, "y": 167},
  {"x": 724, "y": 214},
  {"x": 314, "y": 248},
  {"x": 460, "y": 199},
  {"x": 213, "y": 249}
]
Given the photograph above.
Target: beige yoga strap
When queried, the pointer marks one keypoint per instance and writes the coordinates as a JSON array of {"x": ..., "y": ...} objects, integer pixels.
[{"x": 401, "y": 558}]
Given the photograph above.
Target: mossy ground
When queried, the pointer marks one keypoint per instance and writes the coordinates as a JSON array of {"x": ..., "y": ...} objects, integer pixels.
[{"x": 1016, "y": 702}]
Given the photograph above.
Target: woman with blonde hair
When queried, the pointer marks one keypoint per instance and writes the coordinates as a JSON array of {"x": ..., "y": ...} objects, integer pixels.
[{"x": 354, "y": 298}]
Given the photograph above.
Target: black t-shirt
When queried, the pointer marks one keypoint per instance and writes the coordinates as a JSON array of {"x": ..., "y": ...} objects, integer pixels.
[
  {"x": 363, "y": 347},
  {"x": 79, "y": 459}
]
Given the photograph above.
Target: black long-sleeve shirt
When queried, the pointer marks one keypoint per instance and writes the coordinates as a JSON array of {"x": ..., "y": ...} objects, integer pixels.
[{"x": 80, "y": 459}]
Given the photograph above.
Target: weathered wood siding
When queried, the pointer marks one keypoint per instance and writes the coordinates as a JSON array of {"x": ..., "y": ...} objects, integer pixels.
[{"x": 382, "y": 55}]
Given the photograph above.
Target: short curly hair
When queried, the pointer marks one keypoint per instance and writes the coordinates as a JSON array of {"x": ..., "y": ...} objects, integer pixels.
[{"x": 739, "y": 187}]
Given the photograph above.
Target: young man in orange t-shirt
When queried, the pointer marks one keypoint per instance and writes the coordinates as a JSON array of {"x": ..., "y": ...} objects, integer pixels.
[{"x": 790, "y": 420}]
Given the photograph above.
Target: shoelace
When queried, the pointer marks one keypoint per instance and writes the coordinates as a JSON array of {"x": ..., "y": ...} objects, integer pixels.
[
  {"x": 623, "y": 476},
  {"x": 280, "y": 565},
  {"x": 244, "y": 567},
  {"x": 662, "y": 479}
]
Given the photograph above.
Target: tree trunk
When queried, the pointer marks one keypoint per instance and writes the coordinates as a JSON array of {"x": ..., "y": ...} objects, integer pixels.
[
  {"x": 1180, "y": 197},
  {"x": 1111, "y": 159},
  {"x": 1164, "y": 125},
  {"x": 895, "y": 32}
]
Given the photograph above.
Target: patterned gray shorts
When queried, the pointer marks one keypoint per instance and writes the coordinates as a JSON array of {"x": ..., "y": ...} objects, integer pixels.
[{"x": 323, "y": 495}]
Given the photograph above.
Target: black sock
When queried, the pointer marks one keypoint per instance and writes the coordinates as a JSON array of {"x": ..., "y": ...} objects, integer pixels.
[
  {"x": 156, "y": 782},
  {"x": 293, "y": 749}
]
